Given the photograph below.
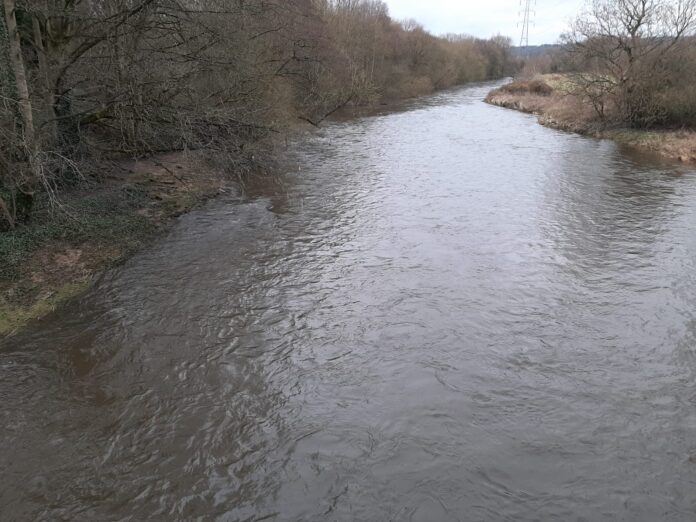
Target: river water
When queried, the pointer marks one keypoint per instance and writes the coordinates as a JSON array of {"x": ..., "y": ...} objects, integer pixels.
[{"x": 443, "y": 313}]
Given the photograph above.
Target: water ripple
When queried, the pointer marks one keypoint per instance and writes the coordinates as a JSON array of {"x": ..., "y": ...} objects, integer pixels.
[{"x": 445, "y": 313}]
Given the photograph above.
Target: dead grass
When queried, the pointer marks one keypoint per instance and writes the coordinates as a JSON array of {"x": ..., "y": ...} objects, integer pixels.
[
  {"x": 678, "y": 145},
  {"x": 537, "y": 87},
  {"x": 562, "y": 109},
  {"x": 533, "y": 96}
]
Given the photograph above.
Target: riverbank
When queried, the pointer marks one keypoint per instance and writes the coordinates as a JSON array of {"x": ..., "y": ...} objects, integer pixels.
[
  {"x": 59, "y": 254},
  {"x": 377, "y": 334},
  {"x": 551, "y": 98}
]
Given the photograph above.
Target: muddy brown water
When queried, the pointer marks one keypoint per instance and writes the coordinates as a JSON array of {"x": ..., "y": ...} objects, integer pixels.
[{"x": 443, "y": 313}]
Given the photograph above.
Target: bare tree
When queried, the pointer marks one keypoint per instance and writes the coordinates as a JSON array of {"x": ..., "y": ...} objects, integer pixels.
[
  {"x": 624, "y": 44},
  {"x": 88, "y": 79}
]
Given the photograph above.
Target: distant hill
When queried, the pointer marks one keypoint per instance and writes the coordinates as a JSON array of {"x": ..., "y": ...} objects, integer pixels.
[{"x": 535, "y": 50}]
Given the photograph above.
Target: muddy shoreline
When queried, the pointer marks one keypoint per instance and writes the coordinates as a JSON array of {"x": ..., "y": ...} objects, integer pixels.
[{"x": 47, "y": 263}]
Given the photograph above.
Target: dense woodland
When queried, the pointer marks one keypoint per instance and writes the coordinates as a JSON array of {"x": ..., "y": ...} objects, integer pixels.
[{"x": 84, "y": 80}]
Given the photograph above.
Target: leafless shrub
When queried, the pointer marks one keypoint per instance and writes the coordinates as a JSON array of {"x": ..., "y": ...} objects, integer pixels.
[
  {"x": 89, "y": 79},
  {"x": 628, "y": 48}
]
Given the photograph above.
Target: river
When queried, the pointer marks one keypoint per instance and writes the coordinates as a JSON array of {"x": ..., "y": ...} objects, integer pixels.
[{"x": 447, "y": 312}]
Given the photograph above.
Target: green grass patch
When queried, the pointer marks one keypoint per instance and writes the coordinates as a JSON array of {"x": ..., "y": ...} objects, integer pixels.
[
  {"x": 13, "y": 318},
  {"x": 636, "y": 137}
]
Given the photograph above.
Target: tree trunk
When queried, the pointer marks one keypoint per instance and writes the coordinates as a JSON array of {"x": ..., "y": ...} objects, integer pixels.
[
  {"x": 44, "y": 72},
  {"x": 6, "y": 214},
  {"x": 28, "y": 186},
  {"x": 20, "y": 77}
]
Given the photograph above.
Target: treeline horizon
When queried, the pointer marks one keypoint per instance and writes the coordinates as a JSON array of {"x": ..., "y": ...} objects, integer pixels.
[{"x": 86, "y": 80}]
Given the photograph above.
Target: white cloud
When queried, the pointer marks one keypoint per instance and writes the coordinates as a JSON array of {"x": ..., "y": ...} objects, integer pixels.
[{"x": 485, "y": 18}]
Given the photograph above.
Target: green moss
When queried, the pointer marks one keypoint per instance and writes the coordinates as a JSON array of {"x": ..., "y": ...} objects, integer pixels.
[
  {"x": 106, "y": 216},
  {"x": 182, "y": 203},
  {"x": 12, "y": 318},
  {"x": 636, "y": 137},
  {"x": 112, "y": 223}
]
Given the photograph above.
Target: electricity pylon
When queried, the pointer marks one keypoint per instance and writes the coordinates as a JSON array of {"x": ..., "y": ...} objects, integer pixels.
[{"x": 526, "y": 20}]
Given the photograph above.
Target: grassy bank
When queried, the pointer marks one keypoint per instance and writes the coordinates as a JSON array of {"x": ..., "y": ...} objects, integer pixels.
[
  {"x": 553, "y": 100},
  {"x": 59, "y": 253}
]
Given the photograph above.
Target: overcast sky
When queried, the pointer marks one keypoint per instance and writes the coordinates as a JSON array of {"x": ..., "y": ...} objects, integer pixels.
[{"x": 485, "y": 18}]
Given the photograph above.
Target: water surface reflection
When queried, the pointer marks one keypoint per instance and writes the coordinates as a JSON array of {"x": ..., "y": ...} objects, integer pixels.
[{"x": 447, "y": 313}]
